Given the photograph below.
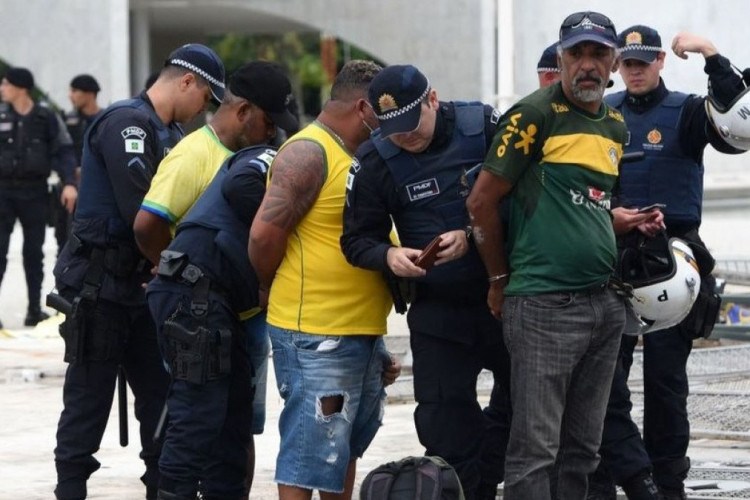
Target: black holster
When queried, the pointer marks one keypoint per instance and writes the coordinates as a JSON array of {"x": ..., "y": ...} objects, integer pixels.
[
  {"x": 197, "y": 355},
  {"x": 402, "y": 291},
  {"x": 53, "y": 205},
  {"x": 73, "y": 329}
]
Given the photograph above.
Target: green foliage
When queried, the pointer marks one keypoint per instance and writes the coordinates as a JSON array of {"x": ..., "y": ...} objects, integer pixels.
[{"x": 299, "y": 53}]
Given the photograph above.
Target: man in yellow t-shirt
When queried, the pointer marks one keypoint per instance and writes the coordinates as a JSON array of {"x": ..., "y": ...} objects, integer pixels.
[
  {"x": 255, "y": 105},
  {"x": 326, "y": 318}
]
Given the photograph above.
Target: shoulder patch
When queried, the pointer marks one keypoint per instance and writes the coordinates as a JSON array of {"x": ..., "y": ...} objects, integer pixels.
[
  {"x": 267, "y": 156},
  {"x": 136, "y": 132},
  {"x": 133, "y": 137}
]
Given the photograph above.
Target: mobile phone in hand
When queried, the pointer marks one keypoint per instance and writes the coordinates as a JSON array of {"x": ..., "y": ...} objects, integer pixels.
[{"x": 653, "y": 206}]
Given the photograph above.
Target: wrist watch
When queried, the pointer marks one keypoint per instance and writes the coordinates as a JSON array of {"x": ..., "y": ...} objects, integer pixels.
[{"x": 469, "y": 231}]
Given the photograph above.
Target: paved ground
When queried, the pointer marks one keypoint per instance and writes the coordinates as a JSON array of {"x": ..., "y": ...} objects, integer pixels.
[
  {"x": 32, "y": 405},
  {"x": 31, "y": 371}
]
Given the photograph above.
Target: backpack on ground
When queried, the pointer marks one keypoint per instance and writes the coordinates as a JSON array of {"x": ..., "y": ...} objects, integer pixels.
[{"x": 412, "y": 478}]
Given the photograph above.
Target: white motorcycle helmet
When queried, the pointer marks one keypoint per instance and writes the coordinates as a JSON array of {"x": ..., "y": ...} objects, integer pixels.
[
  {"x": 733, "y": 122},
  {"x": 665, "y": 279}
]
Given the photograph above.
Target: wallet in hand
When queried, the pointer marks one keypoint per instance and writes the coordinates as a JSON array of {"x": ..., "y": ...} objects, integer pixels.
[{"x": 428, "y": 256}]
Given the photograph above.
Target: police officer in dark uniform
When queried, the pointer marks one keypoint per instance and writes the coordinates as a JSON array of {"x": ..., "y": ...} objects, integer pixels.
[
  {"x": 100, "y": 272},
  {"x": 83, "y": 91},
  {"x": 204, "y": 283},
  {"x": 672, "y": 130},
  {"x": 204, "y": 287},
  {"x": 418, "y": 169},
  {"x": 32, "y": 142}
]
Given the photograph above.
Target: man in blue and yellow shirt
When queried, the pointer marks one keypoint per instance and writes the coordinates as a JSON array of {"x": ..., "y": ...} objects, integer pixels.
[{"x": 556, "y": 157}]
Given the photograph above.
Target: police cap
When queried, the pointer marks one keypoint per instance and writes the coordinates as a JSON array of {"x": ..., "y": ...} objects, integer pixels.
[
  {"x": 86, "y": 83},
  {"x": 20, "y": 77}
]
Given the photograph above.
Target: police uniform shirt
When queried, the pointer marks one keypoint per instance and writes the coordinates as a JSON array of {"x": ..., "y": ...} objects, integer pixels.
[
  {"x": 126, "y": 143},
  {"x": 59, "y": 142},
  {"x": 76, "y": 124},
  {"x": 372, "y": 196},
  {"x": 121, "y": 153},
  {"x": 694, "y": 129}
]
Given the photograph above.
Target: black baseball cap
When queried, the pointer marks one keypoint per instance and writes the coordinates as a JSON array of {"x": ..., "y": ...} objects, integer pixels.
[
  {"x": 86, "y": 83},
  {"x": 266, "y": 85},
  {"x": 20, "y": 77},
  {"x": 396, "y": 94},
  {"x": 202, "y": 61},
  {"x": 639, "y": 42},
  {"x": 587, "y": 27},
  {"x": 548, "y": 61}
]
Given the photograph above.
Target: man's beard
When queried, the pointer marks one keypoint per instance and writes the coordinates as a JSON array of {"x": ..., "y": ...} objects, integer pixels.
[{"x": 588, "y": 95}]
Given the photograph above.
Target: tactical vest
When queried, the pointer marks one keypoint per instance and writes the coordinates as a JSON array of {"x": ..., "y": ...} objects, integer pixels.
[
  {"x": 98, "y": 221},
  {"x": 77, "y": 124},
  {"x": 212, "y": 211},
  {"x": 25, "y": 152},
  {"x": 666, "y": 174},
  {"x": 433, "y": 187}
]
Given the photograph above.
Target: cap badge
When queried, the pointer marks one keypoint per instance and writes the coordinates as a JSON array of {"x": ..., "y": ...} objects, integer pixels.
[
  {"x": 634, "y": 38},
  {"x": 387, "y": 103}
]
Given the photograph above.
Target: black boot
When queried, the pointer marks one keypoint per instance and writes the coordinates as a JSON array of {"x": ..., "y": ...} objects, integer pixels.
[
  {"x": 601, "y": 488},
  {"x": 165, "y": 495},
  {"x": 34, "y": 315},
  {"x": 486, "y": 491},
  {"x": 670, "y": 478},
  {"x": 665, "y": 494},
  {"x": 641, "y": 487}
]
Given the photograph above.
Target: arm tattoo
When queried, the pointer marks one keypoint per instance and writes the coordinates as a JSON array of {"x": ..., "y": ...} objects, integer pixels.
[{"x": 297, "y": 176}]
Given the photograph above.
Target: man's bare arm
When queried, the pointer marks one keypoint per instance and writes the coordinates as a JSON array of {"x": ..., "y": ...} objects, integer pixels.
[
  {"x": 297, "y": 175},
  {"x": 152, "y": 234},
  {"x": 483, "y": 205}
]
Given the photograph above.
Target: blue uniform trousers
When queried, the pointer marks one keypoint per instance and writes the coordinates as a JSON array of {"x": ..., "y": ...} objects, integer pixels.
[
  {"x": 209, "y": 432},
  {"x": 115, "y": 335},
  {"x": 666, "y": 429},
  {"x": 29, "y": 205}
]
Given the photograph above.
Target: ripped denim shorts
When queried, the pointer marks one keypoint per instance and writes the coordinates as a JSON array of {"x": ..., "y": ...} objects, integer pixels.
[{"x": 333, "y": 395}]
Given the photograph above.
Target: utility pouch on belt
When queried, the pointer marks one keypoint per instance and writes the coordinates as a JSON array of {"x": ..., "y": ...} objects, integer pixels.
[
  {"x": 197, "y": 355},
  {"x": 73, "y": 329},
  {"x": 703, "y": 315},
  {"x": 171, "y": 264}
]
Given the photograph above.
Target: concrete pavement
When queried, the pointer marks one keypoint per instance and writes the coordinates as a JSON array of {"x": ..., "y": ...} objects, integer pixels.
[{"x": 31, "y": 375}]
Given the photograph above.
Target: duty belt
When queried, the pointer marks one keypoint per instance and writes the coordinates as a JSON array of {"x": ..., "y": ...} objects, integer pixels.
[
  {"x": 121, "y": 261},
  {"x": 22, "y": 183}
]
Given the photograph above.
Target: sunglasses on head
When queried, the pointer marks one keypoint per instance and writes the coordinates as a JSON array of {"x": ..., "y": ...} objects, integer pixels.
[{"x": 575, "y": 19}]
